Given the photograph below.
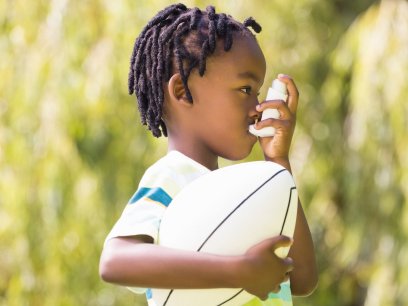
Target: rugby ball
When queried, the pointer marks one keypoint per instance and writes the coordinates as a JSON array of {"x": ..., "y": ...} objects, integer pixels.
[{"x": 226, "y": 212}]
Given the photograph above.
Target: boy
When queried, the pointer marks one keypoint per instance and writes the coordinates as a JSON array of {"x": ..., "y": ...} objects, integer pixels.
[{"x": 196, "y": 75}]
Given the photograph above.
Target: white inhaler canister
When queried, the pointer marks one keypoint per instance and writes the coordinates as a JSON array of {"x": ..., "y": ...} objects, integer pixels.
[{"x": 278, "y": 91}]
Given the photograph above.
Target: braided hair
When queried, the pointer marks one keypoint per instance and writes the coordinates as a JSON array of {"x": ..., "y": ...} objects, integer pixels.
[{"x": 176, "y": 39}]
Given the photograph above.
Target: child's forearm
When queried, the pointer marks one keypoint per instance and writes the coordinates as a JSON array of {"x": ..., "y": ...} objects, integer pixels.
[
  {"x": 304, "y": 276},
  {"x": 125, "y": 261},
  {"x": 132, "y": 262}
]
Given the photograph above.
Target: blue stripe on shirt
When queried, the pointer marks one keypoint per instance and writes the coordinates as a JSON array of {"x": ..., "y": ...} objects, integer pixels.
[
  {"x": 155, "y": 194},
  {"x": 284, "y": 294}
]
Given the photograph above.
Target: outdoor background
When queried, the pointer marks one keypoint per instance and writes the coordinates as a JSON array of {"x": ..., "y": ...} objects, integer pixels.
[{"x": 72, "y": 149}]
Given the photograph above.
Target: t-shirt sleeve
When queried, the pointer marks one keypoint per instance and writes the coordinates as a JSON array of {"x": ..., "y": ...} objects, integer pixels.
[
  {"x": 157, "y": 188},
  {"x": 144, "y": 210}
]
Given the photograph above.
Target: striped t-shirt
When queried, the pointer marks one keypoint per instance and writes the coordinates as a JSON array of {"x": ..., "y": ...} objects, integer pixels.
[{"x": 158, "y": 186}]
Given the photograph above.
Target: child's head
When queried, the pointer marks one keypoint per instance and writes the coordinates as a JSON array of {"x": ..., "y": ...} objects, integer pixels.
[{"x": 177, "y": 40}]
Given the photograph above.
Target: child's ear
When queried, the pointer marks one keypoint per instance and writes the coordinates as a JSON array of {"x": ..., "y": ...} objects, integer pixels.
[{"x": 176, "y": 89}]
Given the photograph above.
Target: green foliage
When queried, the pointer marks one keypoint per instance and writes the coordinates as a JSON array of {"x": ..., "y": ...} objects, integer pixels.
[
  {"x": 72, "y": 149},
  {"x": 361, "y": 211}
]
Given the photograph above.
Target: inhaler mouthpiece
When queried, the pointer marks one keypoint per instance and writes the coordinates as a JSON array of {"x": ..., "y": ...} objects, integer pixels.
[{"x": 276, "y": 92}]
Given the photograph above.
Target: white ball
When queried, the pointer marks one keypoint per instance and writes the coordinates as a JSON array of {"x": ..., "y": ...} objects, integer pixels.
[{"x": 226, "y": 212}]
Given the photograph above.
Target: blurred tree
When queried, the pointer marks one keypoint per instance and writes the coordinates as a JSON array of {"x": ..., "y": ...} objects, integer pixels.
[
  {"x": 72, "y": 149},
  {"x": 64, "y": 135},
  {"x": 360, "y": 153}
]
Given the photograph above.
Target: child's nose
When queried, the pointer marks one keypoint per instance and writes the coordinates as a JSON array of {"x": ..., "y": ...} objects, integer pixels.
[{"x": 253, "y": 113}]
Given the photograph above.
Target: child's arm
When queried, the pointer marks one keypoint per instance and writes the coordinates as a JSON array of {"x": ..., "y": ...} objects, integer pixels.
[
  {"x": 136, "y": 262},
  {"x": 304, "y": 275}
]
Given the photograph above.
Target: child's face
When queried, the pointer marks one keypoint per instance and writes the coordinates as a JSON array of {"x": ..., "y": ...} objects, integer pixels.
[{"x": 224, "y": 99}]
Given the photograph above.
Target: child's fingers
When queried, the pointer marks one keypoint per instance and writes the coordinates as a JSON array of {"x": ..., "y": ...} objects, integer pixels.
[
  {"x": 276, "y": 123},
  {"x": 286, "y": 117},
  {"x": 280, "y": 105},
  {"x": 293, "y": 93}
]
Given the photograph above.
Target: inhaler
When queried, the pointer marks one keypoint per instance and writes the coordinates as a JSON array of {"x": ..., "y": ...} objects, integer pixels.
[{"x": 276, "y": 92}]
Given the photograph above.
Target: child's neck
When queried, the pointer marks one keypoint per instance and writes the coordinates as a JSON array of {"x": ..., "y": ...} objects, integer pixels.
[{"x": 203, "y": 157}]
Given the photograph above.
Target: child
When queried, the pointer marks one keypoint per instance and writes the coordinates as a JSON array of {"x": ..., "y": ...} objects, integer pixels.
[{"x": 196, "y": 75}]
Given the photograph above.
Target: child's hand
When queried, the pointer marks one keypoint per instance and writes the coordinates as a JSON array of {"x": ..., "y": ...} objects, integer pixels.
[
  {"x": 263, "y": 270},
  {"x": 276, "y": 148}
]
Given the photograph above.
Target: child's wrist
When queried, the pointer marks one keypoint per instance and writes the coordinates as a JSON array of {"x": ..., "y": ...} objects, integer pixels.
[
  {"x": 283, "y": 161},
  {"x": 236, "y": 271},
  {"x": 236, "y": 276}
]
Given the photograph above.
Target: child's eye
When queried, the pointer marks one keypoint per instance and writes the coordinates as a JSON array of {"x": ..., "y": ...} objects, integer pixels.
[{"x": 247, "y": 90}]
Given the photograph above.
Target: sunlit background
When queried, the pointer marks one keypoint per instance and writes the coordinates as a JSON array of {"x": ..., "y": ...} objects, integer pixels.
[{"x": 72, "y": 149}]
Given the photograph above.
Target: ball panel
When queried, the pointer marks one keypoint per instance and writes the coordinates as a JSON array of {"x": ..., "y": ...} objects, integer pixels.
[{"x": 251, "y": 221}]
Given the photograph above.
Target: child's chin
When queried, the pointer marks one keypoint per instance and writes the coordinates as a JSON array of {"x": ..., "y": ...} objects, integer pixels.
[{"x": 241, "y": 154}]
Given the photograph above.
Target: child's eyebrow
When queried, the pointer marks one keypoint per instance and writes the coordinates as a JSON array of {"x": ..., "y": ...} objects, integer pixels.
[{"x": 249, "y": 75}]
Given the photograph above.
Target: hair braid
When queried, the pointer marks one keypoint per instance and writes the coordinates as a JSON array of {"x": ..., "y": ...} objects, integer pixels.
[
  {"x": 180, "y": 40},
  {"x": 136, "y": 49},
  {"x": 250, "y": 22},
  {"x": 195, "y": 18},
  {"x": 212, "y": 28}
]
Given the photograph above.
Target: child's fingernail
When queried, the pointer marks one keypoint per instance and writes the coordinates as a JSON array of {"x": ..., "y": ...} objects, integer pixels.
[{"x": 258, "y": 107}]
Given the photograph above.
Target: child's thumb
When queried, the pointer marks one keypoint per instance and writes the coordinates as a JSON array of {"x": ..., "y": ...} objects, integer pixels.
[{"x": 282, "y": 241}]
